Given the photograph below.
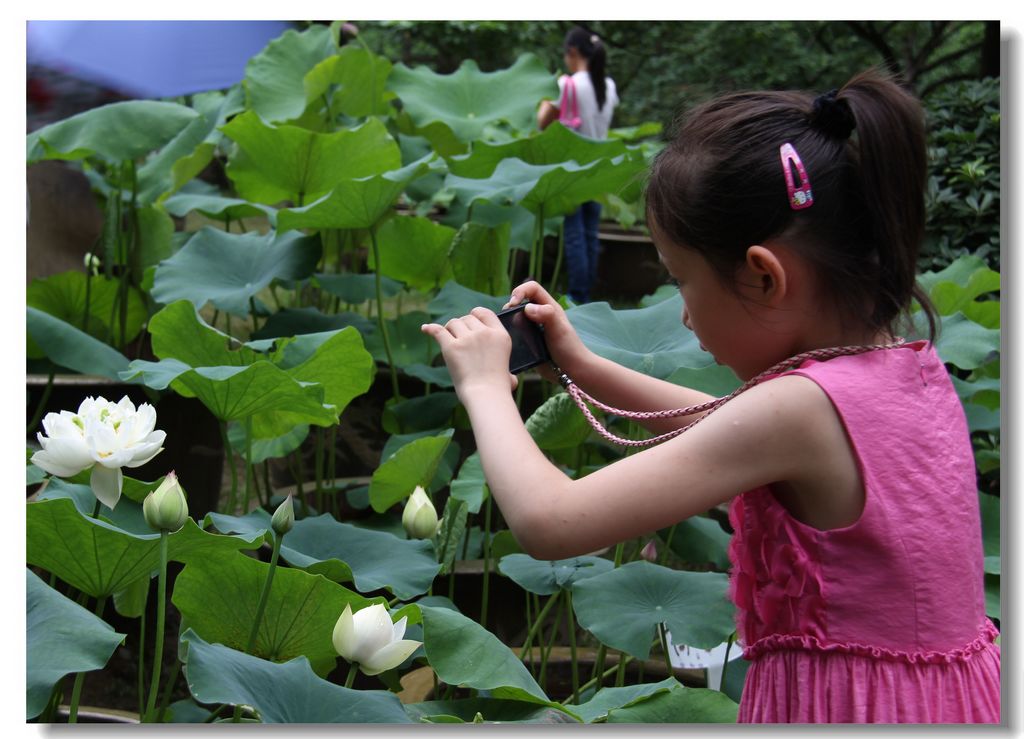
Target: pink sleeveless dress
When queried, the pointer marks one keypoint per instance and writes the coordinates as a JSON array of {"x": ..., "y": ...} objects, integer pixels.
[{"x": 882, "y": 621}]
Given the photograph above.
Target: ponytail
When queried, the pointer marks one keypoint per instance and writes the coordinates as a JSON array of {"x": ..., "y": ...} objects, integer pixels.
[
  {"x": 890, "y": 158},
  {"x": 591, "y": 48}
]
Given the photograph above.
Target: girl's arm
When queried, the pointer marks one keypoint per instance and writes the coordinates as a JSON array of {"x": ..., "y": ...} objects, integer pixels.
[
  {"x": 609, "y": 382},
  {"x": 770, "y": 433},
  {"x": 546, "y": 114}
]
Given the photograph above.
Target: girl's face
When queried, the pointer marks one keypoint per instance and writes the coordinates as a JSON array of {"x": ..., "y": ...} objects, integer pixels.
[{"x": 724, "y": 322}]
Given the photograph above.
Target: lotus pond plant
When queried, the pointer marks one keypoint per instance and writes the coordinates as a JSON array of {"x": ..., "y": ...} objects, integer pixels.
[{"x": 355, "y": 200}]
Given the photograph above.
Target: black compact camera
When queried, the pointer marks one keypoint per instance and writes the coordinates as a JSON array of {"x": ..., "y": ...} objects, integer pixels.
[{"x": 528, "y": 347}]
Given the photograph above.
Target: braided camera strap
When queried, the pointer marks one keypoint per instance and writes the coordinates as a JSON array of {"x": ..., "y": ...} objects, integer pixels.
[{"x": 582, "y": 398}]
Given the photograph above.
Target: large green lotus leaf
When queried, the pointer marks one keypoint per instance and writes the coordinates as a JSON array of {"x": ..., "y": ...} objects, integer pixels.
[
  {"x": 68, "y": 347},
  {"x": 126, "y": 515},
  {"x": 491, "y": 710},
  {"x": 354, "y": 203},
  {"x": 101, "y": 559},
  {"x": 356, "y": 289},
  {"x": 558, "y": 424},
  {"x": 308, "y": 320},
  {"x": 232, "y": 393},
  {"x": 650, "y": 340},
  {"x": 369, "y": 559},
  {"x": 445, "y": 468},
  {"x": 191, "y": 150},
  {"x": 415, "y": 251},
  {"x": 157, "y": 238},
  {"x": 289, "y": 693},
  {"x": 963, "y": 342},
  {"x": 228, "y": 269},
  {"x": 970, "y": 272},
  {"x": 468, "y": 101},
  {"x": 454, "y": 300},
  {"x": 178, "y": 332},
  {"x": 547, "y": 577},
  {"x": 360, "y": 76},
  {"x": 335, "y": 360},
  {"x": 292, "y": 163},
  {"x": 464, "y": 653},
  {"x": 408, "y": 344},
  {"x": 62, "y": 638},
  {"x": 555, "y": 189},
  {"x": 699, "y": 540},
  {"x": 63, "y": 295},
  {"x": 479, "y": 257},
  {"x": 678, "y": 705},
  {"x": 414, "y": 464},
  {"x": 622, "y": 608},
  {"x": 116, "y": 132},
  {"x": 556, "y": 144},
  {"x": 217, "y": 206},
  {"x": 218, "y": 598},
  {"x": 264, "y": 449},
  {"x": 471, "y": 485},
  {"x": 717, "y": 380},
  {"x": 606, "y": 700},
  {"x": 275, "y": 78},
  {"x": 424, "y": 412},
  {"x": 990, "y": 531}
]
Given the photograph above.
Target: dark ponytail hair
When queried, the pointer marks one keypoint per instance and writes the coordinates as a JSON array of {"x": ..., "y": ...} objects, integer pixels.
[
  {"x": 718, "y": 187},
  {"x": 591, "y": 48}
]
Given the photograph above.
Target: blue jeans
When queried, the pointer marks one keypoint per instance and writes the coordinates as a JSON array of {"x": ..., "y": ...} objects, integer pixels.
[{"x": 581, "y": 250}]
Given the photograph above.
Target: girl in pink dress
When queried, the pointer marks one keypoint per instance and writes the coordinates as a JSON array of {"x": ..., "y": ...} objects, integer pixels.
[{"x": 792, "y": 226}]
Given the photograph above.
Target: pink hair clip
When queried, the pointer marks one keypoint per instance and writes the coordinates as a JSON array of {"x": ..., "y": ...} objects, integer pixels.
[{"x": 799, "y": 197}]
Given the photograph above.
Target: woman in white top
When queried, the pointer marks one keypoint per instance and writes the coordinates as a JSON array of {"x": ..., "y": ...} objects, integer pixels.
[{"x": 596, "y": 100}]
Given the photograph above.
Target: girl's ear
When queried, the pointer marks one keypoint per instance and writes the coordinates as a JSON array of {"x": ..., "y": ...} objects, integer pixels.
[{"x": 766, "y": 275}]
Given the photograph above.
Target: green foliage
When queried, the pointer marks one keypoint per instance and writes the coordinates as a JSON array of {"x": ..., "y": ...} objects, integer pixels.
[{"x": 964, "y": 174}]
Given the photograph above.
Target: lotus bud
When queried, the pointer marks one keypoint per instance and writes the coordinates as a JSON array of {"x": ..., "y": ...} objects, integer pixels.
[
  {"x": 92, "y": 263},
  {"x": 165, "y": 508},
  {"x": 650, "y": 551},
  {"x": 419, "y": 517},
  {"x": 284, "y": 517}
]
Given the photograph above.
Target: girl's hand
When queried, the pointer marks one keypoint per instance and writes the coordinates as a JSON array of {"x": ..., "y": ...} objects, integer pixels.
[
  {"x": 476, "y": 349},
  {"x": 564, "y": 345}
]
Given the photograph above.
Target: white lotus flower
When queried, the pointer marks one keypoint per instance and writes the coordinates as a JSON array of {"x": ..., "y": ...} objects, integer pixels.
[
  {"x": 419, "y": 516},
  {"x": 369, "y": 639},
  {"x": 102, "y": 435}
]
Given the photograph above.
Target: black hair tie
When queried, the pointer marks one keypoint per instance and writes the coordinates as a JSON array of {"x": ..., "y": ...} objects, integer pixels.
[{"x": 833, "y": 116}]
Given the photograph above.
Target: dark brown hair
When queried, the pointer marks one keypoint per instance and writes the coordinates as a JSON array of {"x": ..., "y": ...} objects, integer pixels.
[
  {"x": 591, "y": 48},
  {"x": 718, "y": 188}
]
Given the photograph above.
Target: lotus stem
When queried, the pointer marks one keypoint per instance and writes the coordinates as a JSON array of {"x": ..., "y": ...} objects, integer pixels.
[
  {"x": 229, "y": 457},
  {"x": 161, "y": 608},
  {"x": 248, "y": 463},
  {"x": 537, "y": 624},
  {"x": 725, "y": 665},
  {"x": 380, "y": 314},
  {"x": 487, "y": 562},
  {"x": 620, "y": 676},
  {"x": 598, "y": 679},
  {"x": 213, "y": 714},
  {"x": 668, "y": 545},
  {"x": 546, "y": 651},
  {"x": 351, "y": 677},
  {"x": 76, "y": 690},
  {"x": 165, "y": 699},
  {"x": 318, "y": 468},
  {"x": 41, "y": 408},
  {"x": 619, "y": 549},
  {"x": 602, "y": 650},
  {"x": 47, "y": 716},
  {"x": 265, "y": 595},
  {"x": 252, "y": 310},
  {"x": 664, "y": 648},
  {"x": 552, "y": 286},
  {"x": 571, "y": 620},
  {"x": 142, "y": 662}
]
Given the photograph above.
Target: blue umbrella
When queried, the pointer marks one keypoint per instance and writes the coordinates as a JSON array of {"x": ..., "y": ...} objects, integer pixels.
[{"x": 151, "y": 59}]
